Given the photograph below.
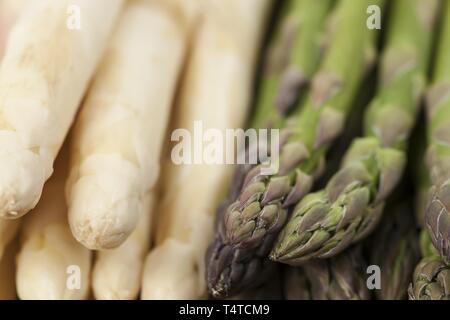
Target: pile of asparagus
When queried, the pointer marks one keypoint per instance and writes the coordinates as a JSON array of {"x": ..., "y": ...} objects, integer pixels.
[{"x": 92, "y": 206}]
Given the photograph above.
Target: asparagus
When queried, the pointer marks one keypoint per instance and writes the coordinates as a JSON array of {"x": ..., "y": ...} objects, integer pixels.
[
  {"x": 116, "y": 274},
  {"x": 250, "y": 224},
  {"x": 226, "y": 44},
  {"x": 43, "y": 76},
  {"x": 395, "y": 249},
  {"x": 339, "y": 278},
  {"x": 292, "y": 59},
  {"x": 437, "y": 215},
  {"x": 431, "y": 280},
  {"x": 119, "y": 133},
  {"x": 48, "y": 248},
  {"x": 326, "y": 222}
]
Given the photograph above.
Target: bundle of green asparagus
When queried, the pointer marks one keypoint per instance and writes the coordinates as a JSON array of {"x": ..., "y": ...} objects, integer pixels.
[{"x": 326, "y": 222}]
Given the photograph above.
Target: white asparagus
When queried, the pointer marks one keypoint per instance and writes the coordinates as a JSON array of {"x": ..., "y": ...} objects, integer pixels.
[
  {"x": 119, "y": 134},
  {"x": 215, "y": 90},
  {"x": 117, "y": 272},
  {"x": 9, "y": 12},
  {"x": 48, "y": 251},
  {"x": 43, "y": 76},
  {"x": 7, "y": 273}
]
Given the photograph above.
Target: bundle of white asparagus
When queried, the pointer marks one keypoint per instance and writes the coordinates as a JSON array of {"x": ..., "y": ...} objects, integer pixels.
[{"x": 215, "y": 90}]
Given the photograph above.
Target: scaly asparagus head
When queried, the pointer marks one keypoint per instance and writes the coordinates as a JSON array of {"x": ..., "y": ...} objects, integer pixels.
[
  {"x": 431, "y": 280},
  {"x": 437, "y": 217},
  {"x": 348, "y": 209},
  {"x": 395, "y": 249}
]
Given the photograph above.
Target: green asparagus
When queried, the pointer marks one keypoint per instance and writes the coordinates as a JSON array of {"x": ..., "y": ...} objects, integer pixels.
[
  {"x": 431, "y": 280},
  {"x": 437, "y": 216},
  {"x": 292, "y": 59},
  {"x": 326, "y": 222},
  {"x": 250, "y": 224},
  {"x": 339, "y": 278},
  {"x": 395, "y": 249}
]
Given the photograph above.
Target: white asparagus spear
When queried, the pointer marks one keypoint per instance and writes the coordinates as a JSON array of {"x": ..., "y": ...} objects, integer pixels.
[
  {"x": 43, "y": 76},
  {"x": 119, "y": 133},
  {"x": 7, "y": 272},
  {"x": 117, "y": 272},
  {"x": 215, "y": 90},
  {"x": 50, "y": 258},
  {"x": 9, "y": 12}
]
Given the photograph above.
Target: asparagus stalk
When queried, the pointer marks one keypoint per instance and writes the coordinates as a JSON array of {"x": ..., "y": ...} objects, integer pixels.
[
  {"x": 437, "y": 215},
  {"x": 326, "y": 222},
  {"x": 252, "y": 222},
  {"x": 119, "y": 133},
  {"x": 339, "y": 278},
  {"x": 43, "y": 76},
  {"x": 226, "y": 44},
  {"x": 9, "y": 13},
  {"x": 431, "y": 280},
  {"x": 117, "y": 273},
  {"x": 395, "y": 249},
  {"x": 292, "y": 59},
  {"x": 47, "y": 247},
  {"x": 7, "y": 273}
]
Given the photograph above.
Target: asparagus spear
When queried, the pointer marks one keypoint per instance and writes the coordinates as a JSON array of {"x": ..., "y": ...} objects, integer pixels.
[
  {"x": 431, "y": 280},
  {"x": 326, "y": 222},
  {"x": 48, "y": 248},
  {"x": 9, "y": 13},
  {"x": 119, "y": 133},
  {"x": 395, "y": 249},
  {"x": 437, "y": 216},
  {"x": 43, "y": 76},
  {"x": 226, "y": 44},
  {"x": 250, "y": 224},
  {"x": 116, "y": 274},
  {"x": 339, "y": 278},
  {"x": 292, "y": 59}
]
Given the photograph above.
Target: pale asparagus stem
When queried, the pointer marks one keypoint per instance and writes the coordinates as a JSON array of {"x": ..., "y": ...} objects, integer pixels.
[
  {"x": 9, "y": 12},
  {"x": 118, "y": 136},
  {"x": 239, "y": 255},
  {"x": 437, "y": 217},
  {"x": 117, "y": 272},
  {"x": 48, "y": 249},
  {"x": 43, "y": 76},
  {"x": 215, "y": 90},
  {"x": 326, "y": 222},
  {"x": 7, "y": 272}
]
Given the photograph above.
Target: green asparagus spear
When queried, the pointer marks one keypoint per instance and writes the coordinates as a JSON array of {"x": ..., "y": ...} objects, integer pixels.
[
  {"x": 292, "y": 59},
  {"x": 251, "y": 223},
  {"x": 395, "y": 249},
  {"x": 431, "y": 280},
  {"x": 339, "y": 278},
  {"x": 326, "y": 222},
  {"x": 437, "y": 216}
]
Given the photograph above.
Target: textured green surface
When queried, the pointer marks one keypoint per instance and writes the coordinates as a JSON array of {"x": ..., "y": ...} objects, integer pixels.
[{"x": 326, "y": 222}]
